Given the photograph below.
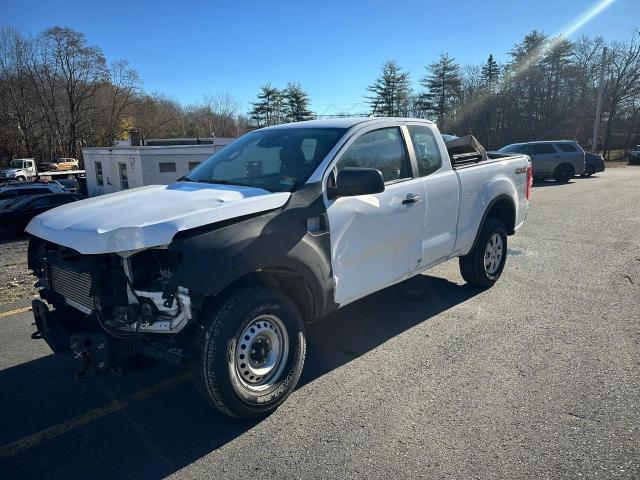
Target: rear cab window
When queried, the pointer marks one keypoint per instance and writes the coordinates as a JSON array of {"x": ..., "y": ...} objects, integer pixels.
[{"x": 426, "y": 149}]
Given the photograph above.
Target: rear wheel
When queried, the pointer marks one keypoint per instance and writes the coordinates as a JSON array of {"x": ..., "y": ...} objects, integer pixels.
[
  {"x": 564, "y": 173},
  {"x": 483, "y": 265},
  {"x": 251, "y": 354}
]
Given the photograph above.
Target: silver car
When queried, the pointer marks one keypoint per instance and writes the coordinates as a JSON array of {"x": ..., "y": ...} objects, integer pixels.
[{"x": 558, "y": 159}]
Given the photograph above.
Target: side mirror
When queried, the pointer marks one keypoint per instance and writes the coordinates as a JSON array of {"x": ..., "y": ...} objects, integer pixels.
[{"x": 353, "y": 181}]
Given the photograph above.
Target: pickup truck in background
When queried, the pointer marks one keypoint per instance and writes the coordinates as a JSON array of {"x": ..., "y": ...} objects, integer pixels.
[
  {"x": 224, "y": 268},
  {"x": 560, "y": 160}
]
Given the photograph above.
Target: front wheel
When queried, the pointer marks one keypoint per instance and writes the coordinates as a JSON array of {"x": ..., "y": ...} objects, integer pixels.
[
  {"x": 483, "y": 265},
  {"x": 251, "y": 353}
]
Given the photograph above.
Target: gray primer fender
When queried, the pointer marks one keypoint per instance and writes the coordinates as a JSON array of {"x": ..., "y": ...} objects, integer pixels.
[{"x": 214, "y": 257}]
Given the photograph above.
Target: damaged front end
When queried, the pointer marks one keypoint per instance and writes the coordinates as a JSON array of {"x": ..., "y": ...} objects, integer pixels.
[{"x": 109, "y": 309}]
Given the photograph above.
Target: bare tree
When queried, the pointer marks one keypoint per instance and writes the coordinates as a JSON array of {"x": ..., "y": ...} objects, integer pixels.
[
  {"x": 120, "y": 93},
  {"x": 623, "y": 84}
]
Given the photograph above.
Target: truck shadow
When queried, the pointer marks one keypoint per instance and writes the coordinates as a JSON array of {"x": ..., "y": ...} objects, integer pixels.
[
  {"x": 550, "y": 183},
  {"x": 166, "y": 431}
]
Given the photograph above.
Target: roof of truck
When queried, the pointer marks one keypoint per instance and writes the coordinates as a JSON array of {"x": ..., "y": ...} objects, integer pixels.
[{"x": 347, "y": 122}]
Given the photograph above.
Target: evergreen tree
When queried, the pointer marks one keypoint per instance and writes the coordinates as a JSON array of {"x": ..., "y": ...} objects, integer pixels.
[
  {"x": 267, "y": 110},
  {"x": 443, "y": 84},
  {"x": 390, "y": 92},
  {"x": 296, "y": 103},
  {"x": 490, "y": 73}
]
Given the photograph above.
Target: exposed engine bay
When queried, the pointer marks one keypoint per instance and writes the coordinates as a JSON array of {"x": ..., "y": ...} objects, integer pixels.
[{"x": 108, "y": 308}]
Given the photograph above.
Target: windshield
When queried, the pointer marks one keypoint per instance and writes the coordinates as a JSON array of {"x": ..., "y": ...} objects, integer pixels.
[
  {"x": 511, "y": 148},
  {"x": 17, "y": 163},
  {"x": 274, "y": 159}
]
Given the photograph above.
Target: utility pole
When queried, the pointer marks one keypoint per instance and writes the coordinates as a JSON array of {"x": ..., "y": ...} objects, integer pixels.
[{"x": 596, "y": 125}]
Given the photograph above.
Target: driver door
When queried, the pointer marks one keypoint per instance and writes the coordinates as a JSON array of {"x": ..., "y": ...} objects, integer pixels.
[{"x": 376, "y": 240}]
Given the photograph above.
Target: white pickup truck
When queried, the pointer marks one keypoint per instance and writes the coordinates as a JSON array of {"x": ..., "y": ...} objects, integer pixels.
[{"x": 224, "y": 268}]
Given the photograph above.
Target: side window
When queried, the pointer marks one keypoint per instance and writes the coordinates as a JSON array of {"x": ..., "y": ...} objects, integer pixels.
[
  {"x": 381, "y": 149},
  {"x": 527, "y": 150},
  {"x": 567, "y": 147},
  {"x": 193, "y": 165},
  {"x": 542, "y": 148},
  {"x": 426, "y": 149},
  {"x": 99, "y": 179},
  {"x": 124, "y": 178},
  {"x": 167, "y": 167}
]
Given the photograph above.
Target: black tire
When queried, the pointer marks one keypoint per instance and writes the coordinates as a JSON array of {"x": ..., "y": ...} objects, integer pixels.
[
  {"x": 564, "y": 173},
  {"x": 472, "y": 265},
  {"x": 588, "y": 171},
  {"x": 8, "y": 230},
  {"x": 217, "y": 366}
]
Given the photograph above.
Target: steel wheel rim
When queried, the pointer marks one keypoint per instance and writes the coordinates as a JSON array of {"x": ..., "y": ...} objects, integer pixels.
[
  {"x": 493, "y": 254},
  {"x": 261, "y": 353}
]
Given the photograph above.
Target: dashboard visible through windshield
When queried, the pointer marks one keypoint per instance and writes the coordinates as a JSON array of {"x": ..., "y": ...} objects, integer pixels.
[{"x": 278, "y": 159}]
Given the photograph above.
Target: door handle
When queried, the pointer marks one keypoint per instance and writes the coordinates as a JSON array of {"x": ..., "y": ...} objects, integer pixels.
[{"x": 411, "y": 198}]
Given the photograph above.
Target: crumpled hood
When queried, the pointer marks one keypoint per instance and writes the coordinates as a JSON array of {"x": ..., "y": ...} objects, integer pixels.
[{"x": 148, "y": 216}]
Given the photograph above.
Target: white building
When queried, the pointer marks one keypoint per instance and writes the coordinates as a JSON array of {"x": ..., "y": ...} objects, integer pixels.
[{"x": 111, "y": 169}]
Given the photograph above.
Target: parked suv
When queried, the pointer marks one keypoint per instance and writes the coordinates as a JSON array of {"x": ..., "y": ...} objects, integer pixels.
[
  {"x": 16, "y": 213},
  {"x": 560, "y": 159},
  {"x": 13, "y": 190}
]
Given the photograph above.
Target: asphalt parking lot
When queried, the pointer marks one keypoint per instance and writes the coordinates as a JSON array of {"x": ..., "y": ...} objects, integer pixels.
[{"x": 538, "y": 377}]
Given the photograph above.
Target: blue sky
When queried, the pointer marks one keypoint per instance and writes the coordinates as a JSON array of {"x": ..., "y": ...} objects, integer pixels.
[{"x": 334, "y": 48}]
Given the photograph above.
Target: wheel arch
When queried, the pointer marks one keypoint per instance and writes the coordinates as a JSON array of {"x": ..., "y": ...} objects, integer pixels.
[
  {"x": 502, "y": 208},
  {"x": 289, "y": 281}
]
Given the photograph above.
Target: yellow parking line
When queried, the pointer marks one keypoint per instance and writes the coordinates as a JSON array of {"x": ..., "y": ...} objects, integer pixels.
[
  {"x": 14, "y": 312},
  {"x": 86, "y": 418}
]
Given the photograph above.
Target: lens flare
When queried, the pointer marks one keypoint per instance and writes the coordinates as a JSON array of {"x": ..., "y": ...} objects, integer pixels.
[{"x": 538, "y": 53}]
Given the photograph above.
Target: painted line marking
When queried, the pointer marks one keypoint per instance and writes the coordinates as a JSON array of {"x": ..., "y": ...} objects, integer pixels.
[
  {"x": 14, "y": 312},
  {"x": 90, "y": 416}
]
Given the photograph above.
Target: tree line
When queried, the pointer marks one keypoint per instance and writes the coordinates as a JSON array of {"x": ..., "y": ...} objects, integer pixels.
[
  {"x": 548, "y": 88},
  {"x": 59, "y": 94}
]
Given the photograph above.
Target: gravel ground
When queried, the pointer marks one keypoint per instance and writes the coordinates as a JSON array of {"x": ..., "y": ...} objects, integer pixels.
[
  {"x": 538, "y": 377},
  {"x": 16, "y": 283}
]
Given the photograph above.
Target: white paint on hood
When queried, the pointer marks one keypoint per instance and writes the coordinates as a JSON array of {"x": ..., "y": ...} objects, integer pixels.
[{"x": 148, "y": 216}]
